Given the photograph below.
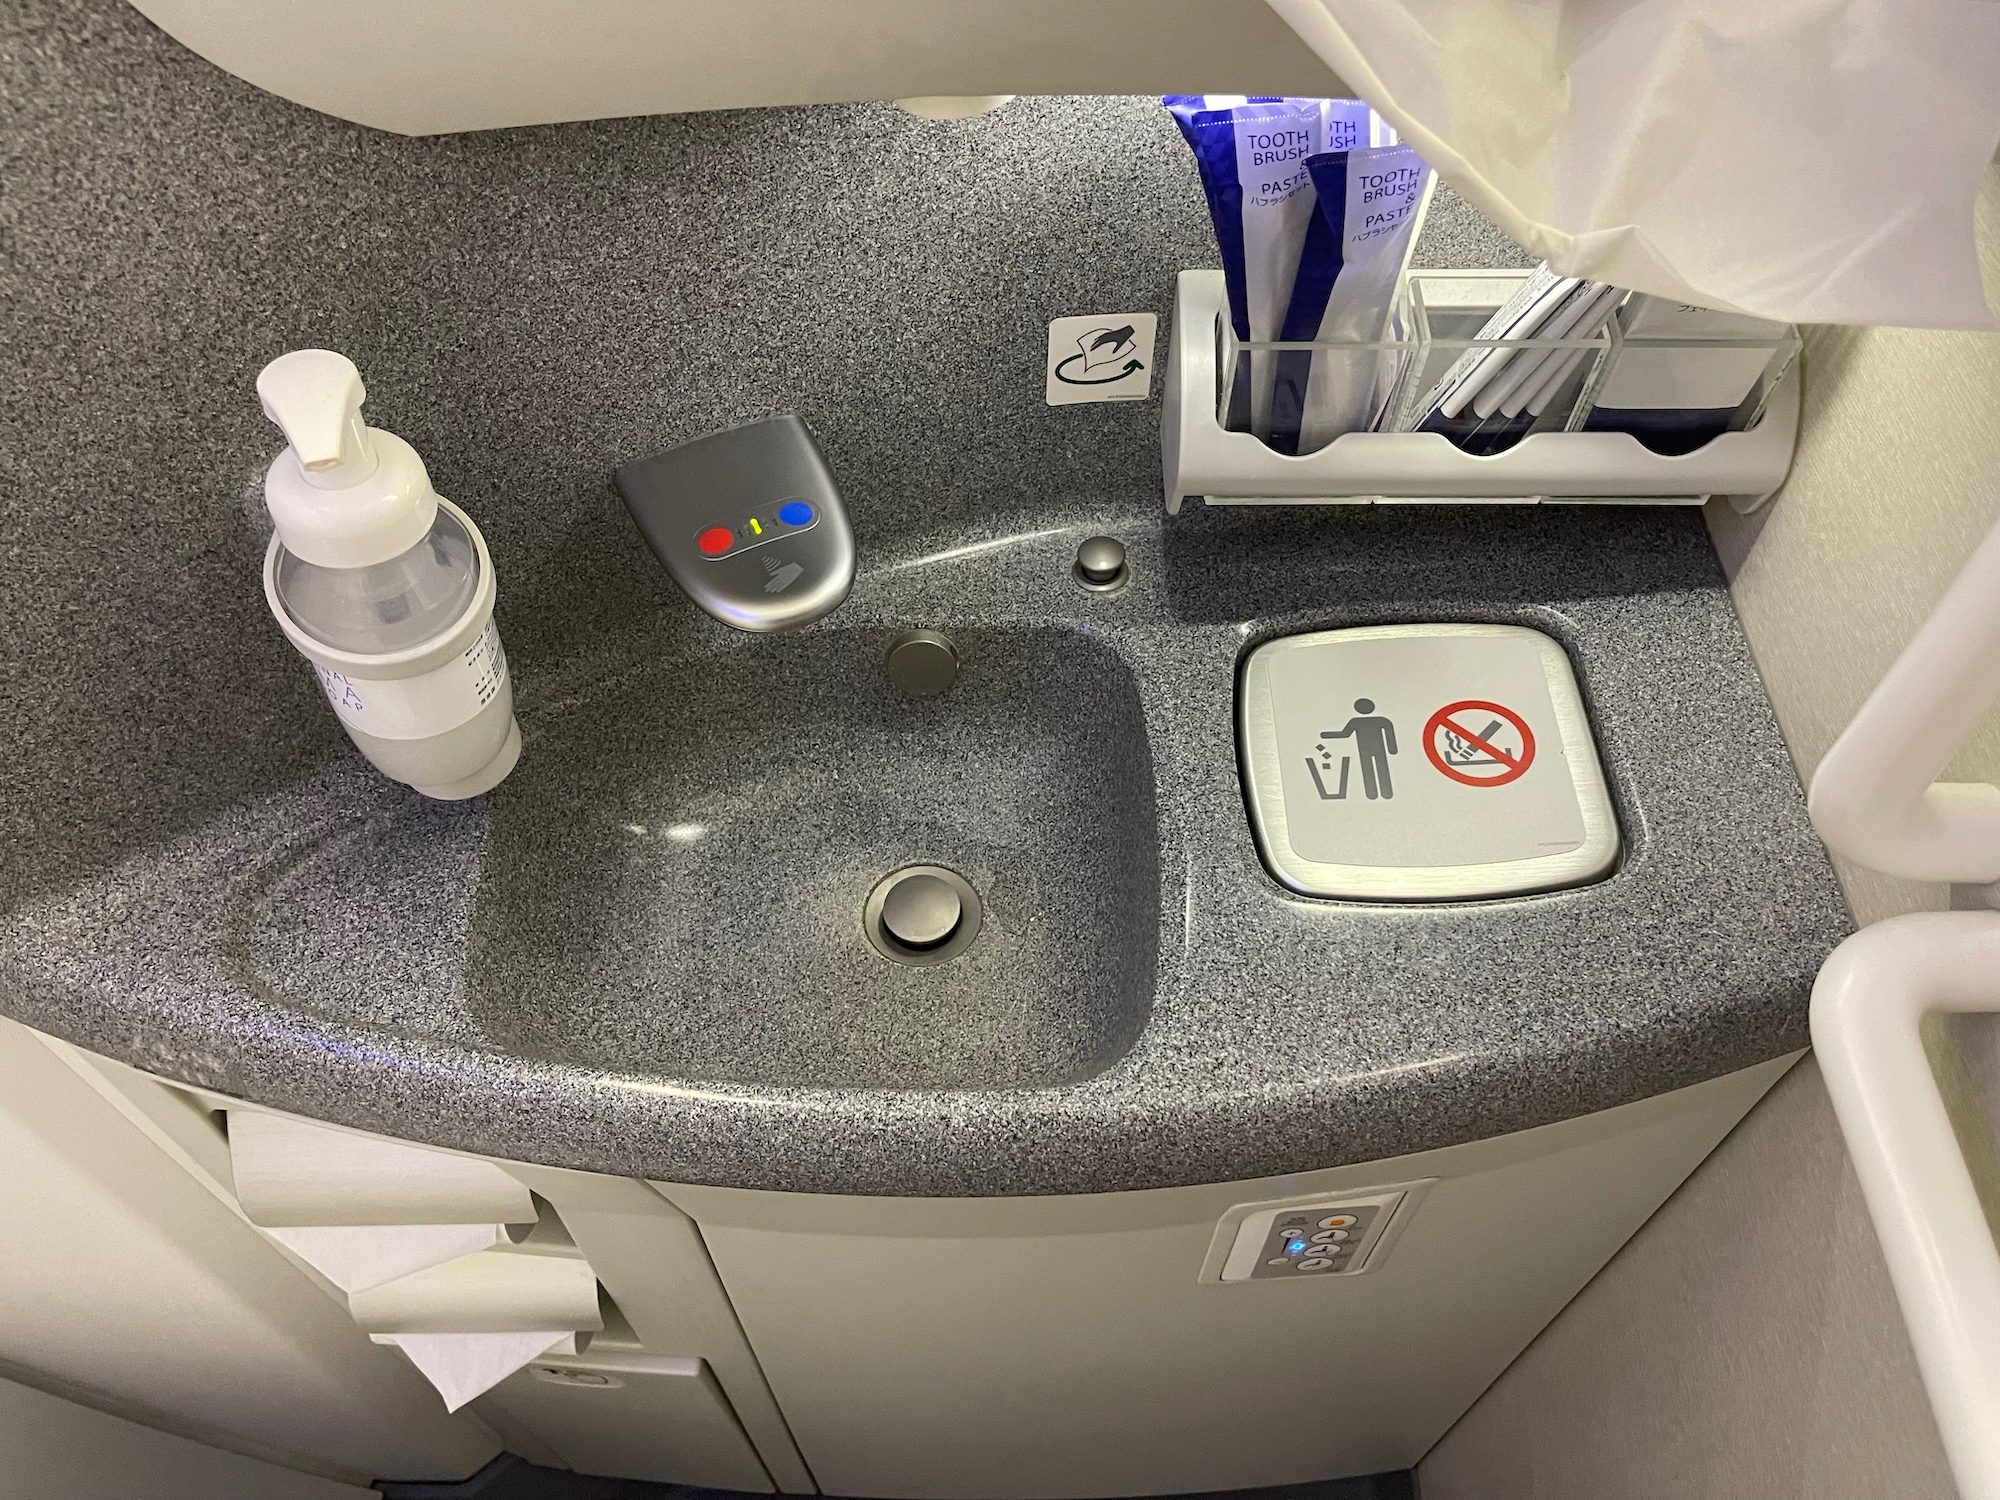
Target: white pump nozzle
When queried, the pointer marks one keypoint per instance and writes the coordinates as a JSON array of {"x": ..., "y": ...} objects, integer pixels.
[
  {"x": 315, "y": 395},
  {"x": 343, "y": 495}
]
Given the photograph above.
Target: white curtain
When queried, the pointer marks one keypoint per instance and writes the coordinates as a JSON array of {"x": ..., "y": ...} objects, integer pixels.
[{"x": 1810, "y": 160}]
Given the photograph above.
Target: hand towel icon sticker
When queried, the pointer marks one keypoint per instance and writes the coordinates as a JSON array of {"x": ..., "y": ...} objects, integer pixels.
[{"x": 1108, "y": 358}]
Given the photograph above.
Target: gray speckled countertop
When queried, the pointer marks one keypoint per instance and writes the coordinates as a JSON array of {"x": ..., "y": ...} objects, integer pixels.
[
  {"x": 643, "y": 953},
  {"x": 343, "y": 949}
]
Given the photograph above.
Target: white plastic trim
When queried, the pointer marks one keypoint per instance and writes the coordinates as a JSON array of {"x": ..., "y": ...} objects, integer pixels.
[
  {"x": 1876, "y": 798},
  {"x": 1200, "y": 458},
  {"x": 1867, "y": 1012},
  {"x": 951, "y": 106}
]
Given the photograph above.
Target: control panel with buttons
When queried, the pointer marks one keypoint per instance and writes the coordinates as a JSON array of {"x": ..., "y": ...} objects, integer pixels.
[
  {"x": 787, "y": 519},
  {"x": 748, "y": 521},
  {"x": 1307, "y": 1239},
  {"x": 1311, "y": 1243}
]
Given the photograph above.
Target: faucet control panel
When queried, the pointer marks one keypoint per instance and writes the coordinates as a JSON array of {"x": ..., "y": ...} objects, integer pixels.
[{"x": 748, "y": 522}]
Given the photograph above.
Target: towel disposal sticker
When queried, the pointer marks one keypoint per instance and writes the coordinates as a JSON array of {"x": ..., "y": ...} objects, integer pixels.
[{"x": 1108, "y": 358}]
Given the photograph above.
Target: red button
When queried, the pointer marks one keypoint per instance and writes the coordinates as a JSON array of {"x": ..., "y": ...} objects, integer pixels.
[{"x": 715, "y": 541}]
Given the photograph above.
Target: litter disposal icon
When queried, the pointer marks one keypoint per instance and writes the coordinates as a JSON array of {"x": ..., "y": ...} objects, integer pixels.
[{"x": 1102, "y": 356}]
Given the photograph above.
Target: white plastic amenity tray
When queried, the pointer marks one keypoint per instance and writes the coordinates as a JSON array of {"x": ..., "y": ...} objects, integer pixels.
[{"x": 1199, "y": 457}]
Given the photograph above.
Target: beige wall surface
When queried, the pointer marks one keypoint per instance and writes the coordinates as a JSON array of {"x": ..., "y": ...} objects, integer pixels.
[
  {"x": 1897, "y": 478},
  {"x": 1744, "y": 1345},
  {"x": 1746, "y": 1342},
  {"x": 58, "y": 1450}
]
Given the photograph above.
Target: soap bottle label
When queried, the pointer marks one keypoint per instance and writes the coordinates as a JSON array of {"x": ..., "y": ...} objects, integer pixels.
[{"x": 414, "y": 708}]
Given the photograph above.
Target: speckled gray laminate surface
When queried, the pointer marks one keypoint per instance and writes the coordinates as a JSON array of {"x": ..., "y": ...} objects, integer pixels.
[
  {"x": 345, "y": 950},
  {"x": 203, "y": 880},
  {"x": 528, "y": 307}
]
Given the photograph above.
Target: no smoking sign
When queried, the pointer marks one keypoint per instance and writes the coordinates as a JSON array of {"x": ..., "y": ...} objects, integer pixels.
[{"x": 1478, "y": 743}]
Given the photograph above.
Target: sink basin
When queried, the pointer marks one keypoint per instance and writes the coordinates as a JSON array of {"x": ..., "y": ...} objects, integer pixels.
[
  {"x": 673, "y": 882},
  {"x": 647, "y": 953}
]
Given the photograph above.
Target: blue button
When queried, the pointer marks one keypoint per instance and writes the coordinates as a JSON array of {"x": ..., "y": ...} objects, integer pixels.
[{"x": 795, "y": 513}]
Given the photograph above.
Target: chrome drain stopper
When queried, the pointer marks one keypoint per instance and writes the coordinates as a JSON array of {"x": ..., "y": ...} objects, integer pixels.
[{"x": 922, "y": 915}]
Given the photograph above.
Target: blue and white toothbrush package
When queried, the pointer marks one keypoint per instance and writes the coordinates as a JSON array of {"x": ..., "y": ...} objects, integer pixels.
[
  {"x": 1370, "y": 204},
  {"x": 1315, "y": 212}
]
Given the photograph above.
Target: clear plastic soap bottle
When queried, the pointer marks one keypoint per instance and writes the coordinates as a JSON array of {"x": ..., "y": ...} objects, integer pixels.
[{"x": 384, "y": 586}]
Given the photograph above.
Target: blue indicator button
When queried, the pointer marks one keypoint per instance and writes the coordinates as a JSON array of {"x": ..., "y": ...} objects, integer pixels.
[{"x": 795, "y": 513}]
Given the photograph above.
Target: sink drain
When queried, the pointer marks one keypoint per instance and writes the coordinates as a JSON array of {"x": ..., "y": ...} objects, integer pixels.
[{"x": 922, "y": 915}]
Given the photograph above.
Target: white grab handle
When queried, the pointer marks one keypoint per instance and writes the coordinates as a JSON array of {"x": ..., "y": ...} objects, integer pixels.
[
  {"x": 1868, "y": 1011},
  {"x": 1876, "y": 798}
]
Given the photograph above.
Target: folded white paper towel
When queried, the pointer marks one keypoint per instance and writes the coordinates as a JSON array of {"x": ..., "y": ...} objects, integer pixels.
[
  {"x": 295, "y": 1174},
  {"x": 1804, "y": 160},
  {"x": 495, "y": 1291},
  {"x": 355, "y": 1257},
  {"x": 464, "y": 1366},
  {"x": 421, "y": 1243}
]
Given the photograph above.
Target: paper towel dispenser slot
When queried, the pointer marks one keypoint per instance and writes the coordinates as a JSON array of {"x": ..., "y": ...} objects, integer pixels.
[
  {"x": 447, "y": 1257},
  {"x": 295, "y": 1172}
]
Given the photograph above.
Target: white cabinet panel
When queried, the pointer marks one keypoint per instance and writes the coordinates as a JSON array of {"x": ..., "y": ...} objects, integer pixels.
[
  {"x": 714, "y": 1423},
  {"x": 58, "y": 1450},
  {"x": 1045, "y": 1347},
  {"x": 122, "y": 1276},
  {"x": 634, "y": 1416}
]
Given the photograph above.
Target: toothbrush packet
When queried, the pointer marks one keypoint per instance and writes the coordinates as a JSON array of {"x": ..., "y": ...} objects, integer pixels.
[
  {"x": 1251, "y": 154},
  {"x": 1489, "y": 398},
  {"x": 1369, "y": 207}
]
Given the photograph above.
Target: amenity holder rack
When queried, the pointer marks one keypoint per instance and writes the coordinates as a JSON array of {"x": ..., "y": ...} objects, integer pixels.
[{"x": 1555, "y": 462}]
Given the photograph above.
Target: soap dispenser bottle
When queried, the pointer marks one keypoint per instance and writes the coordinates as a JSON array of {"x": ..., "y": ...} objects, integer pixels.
[{"x": 384, "y": 586}]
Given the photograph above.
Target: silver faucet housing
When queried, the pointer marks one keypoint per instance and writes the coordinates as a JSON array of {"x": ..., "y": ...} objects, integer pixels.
[{"x": 748, "y": 522}]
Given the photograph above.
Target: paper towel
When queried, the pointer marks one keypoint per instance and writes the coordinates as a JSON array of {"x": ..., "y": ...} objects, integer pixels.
[
  {"x": 495, "y": 1291},
  {"x": 421, "y": 1242},
  {"x": 294, "y": 1174},
  {"x": 355, "y": 1257},
  {"x": 1803, "y": 160},
  {"x": 464, "y": 1366},
  {"x": 470, "y": 1323}
]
